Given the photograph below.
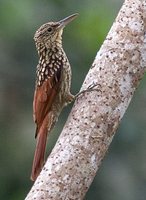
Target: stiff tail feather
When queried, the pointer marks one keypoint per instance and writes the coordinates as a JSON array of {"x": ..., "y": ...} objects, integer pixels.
[{"x": 39, "y": 155}]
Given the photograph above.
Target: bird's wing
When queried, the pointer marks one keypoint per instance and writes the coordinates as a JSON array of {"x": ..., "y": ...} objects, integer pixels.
[{"x": 45, "y": 95}]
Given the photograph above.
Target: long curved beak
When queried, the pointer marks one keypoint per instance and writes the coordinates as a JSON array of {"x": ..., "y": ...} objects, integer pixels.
[{"x": 67, "y": 20}]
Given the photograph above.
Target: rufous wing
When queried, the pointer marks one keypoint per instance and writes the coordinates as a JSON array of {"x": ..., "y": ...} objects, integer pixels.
[{"x": 44, "y": 97}]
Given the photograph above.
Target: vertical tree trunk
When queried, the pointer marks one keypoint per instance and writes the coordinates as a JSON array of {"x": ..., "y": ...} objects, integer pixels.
[{"x": 89, "y": 130}]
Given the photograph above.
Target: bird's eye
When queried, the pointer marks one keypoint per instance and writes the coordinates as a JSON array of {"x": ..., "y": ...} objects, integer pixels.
[{"x": 49, "y": 29}]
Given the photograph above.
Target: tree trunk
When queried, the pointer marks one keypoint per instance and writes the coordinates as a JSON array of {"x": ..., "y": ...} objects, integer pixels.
[{"x": 117, "y": 69}]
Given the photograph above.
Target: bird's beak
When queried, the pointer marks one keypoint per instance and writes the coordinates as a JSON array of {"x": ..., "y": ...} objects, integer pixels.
[{"x": 67, "y": 20}]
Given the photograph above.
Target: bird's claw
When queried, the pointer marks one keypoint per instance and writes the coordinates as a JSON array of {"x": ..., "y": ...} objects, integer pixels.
[{"x": 89, "y": 89}]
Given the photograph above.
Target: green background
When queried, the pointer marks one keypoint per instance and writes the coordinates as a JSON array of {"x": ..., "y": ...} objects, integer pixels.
[{"x": 122, "y": 174}]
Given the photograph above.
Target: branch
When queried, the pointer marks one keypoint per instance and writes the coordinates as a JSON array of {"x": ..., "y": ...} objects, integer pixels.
[{"x": 89, "y": 130}]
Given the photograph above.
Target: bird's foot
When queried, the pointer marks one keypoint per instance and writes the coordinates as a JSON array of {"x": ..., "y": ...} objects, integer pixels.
[{"x": 90, "y": 88}]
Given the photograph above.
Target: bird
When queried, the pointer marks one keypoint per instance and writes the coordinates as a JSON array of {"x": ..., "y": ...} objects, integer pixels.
[{"x": 52, "y": 88}]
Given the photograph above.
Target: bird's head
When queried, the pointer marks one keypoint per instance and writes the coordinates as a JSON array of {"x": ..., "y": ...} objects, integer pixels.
[{"x": 51, "y": 32}]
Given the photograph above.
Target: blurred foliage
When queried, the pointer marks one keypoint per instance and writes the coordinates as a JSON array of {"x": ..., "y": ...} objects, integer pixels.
[{"x": 122, "y": 174}]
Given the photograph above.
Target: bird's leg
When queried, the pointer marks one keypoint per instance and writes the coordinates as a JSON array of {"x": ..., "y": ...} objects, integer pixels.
[
  {"x": 70, "y": 98},
  {"x": 89, "y": 89}
]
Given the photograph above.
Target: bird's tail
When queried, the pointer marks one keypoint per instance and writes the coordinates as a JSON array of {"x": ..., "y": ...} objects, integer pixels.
[
  {"x": 39, "y": 155},
  {"x": 41, "y": 134}
]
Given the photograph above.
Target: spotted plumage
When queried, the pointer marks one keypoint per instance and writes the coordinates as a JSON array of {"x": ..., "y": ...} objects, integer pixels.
[
  {"x": 53, "y": 80},
  {"x": 49, "y": 65}
]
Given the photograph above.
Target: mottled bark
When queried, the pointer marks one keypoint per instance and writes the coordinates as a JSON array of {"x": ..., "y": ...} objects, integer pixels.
[{"x": 89, "y": 130}]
